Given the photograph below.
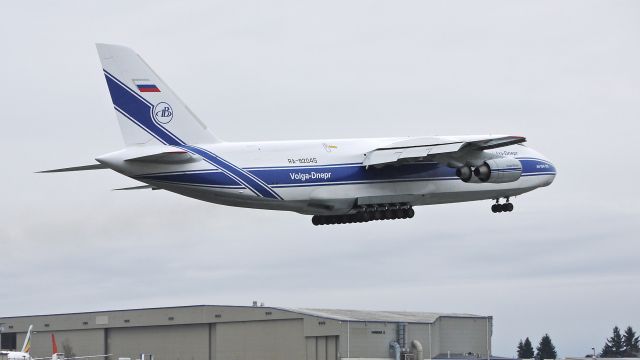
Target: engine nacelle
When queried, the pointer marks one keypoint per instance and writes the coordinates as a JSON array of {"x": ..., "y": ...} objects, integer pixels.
[
  {"x": 464, "y": 173},
  {"x": 499, "y": 171}
]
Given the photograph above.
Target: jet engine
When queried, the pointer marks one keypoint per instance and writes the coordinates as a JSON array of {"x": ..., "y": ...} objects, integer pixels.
[
  {"x": 499, "y": 171},
  {"x": 464, "y": 173}
]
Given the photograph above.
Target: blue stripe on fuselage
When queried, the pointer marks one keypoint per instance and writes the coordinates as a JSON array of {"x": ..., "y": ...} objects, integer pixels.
[
  {"x": 532, "y": 166},
  {"x": 343, "y": 174},
  {"x": 216, "y": 177},
  {"x": 323, "y": 175},
  {"x": 139, "y": 110},
  {"x": 242, "y": 176}
]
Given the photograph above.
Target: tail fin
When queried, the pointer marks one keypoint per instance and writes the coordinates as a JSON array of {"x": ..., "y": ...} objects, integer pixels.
[
  {"x": 54, "y": 346},
  {"x": 26, "y": 347},
  {"x": 147, "y": 109}
]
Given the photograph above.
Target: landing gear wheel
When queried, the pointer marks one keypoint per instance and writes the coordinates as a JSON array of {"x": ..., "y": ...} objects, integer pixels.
[
  {"x": 410, "y": 213},
  {"x": 388, "y": 214},
  {"x": 315, "y": 220},
  {"x": 498, "y": 208}
]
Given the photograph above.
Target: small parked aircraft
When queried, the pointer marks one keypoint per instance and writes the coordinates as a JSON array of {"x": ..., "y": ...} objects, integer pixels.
[{"x": 25, "y": 354}]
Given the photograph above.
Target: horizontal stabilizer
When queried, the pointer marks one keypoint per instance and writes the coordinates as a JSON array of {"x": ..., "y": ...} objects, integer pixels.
[
  {"x": 141, "y": 187},
  {"x": 75, "y": 168},
  {"x": 173, "y": 156}
]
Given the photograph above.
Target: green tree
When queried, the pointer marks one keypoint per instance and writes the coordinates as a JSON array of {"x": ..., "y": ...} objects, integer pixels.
[
  {"x": 631, "y": 343},
  {"x": 614, "y": 347},
  {"x": 520, "y": 349},
  {"x": 546, "y": 349},
  {"x": 527, "y": 349}
]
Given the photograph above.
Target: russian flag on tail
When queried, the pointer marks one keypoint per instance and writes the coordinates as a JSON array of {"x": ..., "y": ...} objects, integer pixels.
[{"x": 145, "y": 85}]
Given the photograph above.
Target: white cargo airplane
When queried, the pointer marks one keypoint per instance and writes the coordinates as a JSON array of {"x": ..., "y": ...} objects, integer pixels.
[{"x": 336, "y": 181}]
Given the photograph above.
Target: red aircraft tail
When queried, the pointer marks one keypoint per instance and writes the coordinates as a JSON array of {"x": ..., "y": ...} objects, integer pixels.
[{"x": 53, "y": 344}]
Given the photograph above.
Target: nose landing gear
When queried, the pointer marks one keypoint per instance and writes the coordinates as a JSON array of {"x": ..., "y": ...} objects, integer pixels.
[{"x": 498, "y": 208}]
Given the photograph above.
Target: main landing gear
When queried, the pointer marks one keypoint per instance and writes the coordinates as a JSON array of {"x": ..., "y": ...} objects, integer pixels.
[
  {"x": 498, "y": 208},
  {"x": 366, "y": 214}
]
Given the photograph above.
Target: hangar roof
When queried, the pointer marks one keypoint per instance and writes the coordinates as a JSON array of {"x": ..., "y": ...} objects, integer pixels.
[
  {"x": 198, "y": 314},
  {"x": 382, "y": 316}
]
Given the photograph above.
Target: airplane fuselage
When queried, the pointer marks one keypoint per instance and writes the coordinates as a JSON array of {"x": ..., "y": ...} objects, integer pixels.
[
  {"x": 320, "y": 176},
  {"x": 16, "y": 355}
]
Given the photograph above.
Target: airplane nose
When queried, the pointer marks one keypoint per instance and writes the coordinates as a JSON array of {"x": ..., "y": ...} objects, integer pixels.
[{"x": 551, "y": 172}]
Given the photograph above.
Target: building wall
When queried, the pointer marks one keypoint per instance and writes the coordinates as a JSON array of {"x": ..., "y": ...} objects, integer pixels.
[
  {"x": 420, "y": 332},
  {"x": 463, "y": 335},
  {"x": 457, "y": 335},
  {"x": 177, "y": 342},
  {"x": 81, "y": 342},
  {"x": 264, "y": 340},
  {"x": 370, "y": 340}
]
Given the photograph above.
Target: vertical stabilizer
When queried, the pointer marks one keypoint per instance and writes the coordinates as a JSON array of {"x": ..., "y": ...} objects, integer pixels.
[
  {"x": 26, "y": 347},
  {"x": 54, "y": 346},
  {"x": 148, "y": 111}
]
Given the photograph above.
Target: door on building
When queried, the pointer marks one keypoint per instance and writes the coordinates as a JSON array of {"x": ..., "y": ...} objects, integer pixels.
[
  {"x": 322, "y": 347},
  {"x": 8, "y": 341}
]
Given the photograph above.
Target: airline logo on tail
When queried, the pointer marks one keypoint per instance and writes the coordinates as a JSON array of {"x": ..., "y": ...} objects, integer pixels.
[
  {"x": 163, "y": 113},
  {"x": 145, "y": 85}
]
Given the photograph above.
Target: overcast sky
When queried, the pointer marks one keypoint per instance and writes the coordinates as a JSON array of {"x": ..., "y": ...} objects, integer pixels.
[{"x": 565, "y": 74}]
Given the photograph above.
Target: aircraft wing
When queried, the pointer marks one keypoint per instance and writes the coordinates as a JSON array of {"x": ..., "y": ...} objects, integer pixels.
[
  {"x": 141, "y": 187},
  {"x": 87, "y": 357},
  {"x": 453, "y": 151},
  {"x": 71, "y": 358},
  {"x": 75, "y": 168},
  {"x": 164, "y": 155}
]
